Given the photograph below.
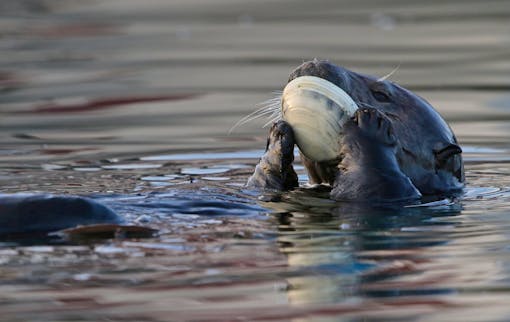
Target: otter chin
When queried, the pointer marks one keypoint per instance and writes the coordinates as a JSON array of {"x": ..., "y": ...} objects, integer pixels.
[{"x": 369, "y": 138}]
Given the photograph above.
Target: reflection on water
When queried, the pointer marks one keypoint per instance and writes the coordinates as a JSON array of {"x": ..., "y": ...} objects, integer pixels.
[
  {"x": 299, "y": 255},
  {"x": 131, "y": 103}
]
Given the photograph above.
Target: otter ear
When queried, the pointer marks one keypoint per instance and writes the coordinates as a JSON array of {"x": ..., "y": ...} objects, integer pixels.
[{"x": 445, "y": 153}]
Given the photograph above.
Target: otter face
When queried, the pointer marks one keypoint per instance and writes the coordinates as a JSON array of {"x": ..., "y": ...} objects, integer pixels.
[{"x": 321, "y": 97}]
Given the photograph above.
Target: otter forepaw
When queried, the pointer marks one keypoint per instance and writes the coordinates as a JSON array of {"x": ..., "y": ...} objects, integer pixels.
[
  {"x": 275, "y": 170},
  {"x": 281, "y": 143},
  {"x": 374, "y": 124}
]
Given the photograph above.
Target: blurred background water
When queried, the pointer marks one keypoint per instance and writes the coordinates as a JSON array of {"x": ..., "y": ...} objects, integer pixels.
[{"x": 131, "y": 102}]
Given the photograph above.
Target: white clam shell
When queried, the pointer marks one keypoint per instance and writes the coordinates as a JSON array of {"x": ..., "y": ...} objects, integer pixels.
[{"x": 317, "y": 110}]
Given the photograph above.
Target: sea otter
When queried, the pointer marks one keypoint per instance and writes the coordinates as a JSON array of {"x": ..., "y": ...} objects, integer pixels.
[{"x": 370, "y": 139}]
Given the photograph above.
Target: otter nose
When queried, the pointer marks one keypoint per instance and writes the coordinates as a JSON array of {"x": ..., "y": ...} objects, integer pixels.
[{"x": 325, "y": 70}]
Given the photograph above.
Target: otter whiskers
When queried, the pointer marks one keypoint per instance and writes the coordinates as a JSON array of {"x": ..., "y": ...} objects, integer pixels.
[
  {"x": 387, "y": 76},
  {"x": 270, "y": 109}
]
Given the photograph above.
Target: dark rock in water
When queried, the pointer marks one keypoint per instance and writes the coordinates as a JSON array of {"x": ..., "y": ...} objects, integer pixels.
[{"x": 26, "y": 213}]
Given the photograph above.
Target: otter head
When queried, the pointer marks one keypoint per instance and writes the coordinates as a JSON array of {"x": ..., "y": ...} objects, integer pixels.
[{"x": 321, "y": 98}]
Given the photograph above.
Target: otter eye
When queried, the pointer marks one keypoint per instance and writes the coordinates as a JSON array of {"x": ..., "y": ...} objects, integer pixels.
[
  {"x": 381, "y": 96},
  {"x": 380, "y": 92}
]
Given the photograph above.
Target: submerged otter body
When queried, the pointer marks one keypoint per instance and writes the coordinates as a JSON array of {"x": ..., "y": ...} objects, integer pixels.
[
  {"x": 393, "y": 146},
  {"x": 40, "y": 213}
]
